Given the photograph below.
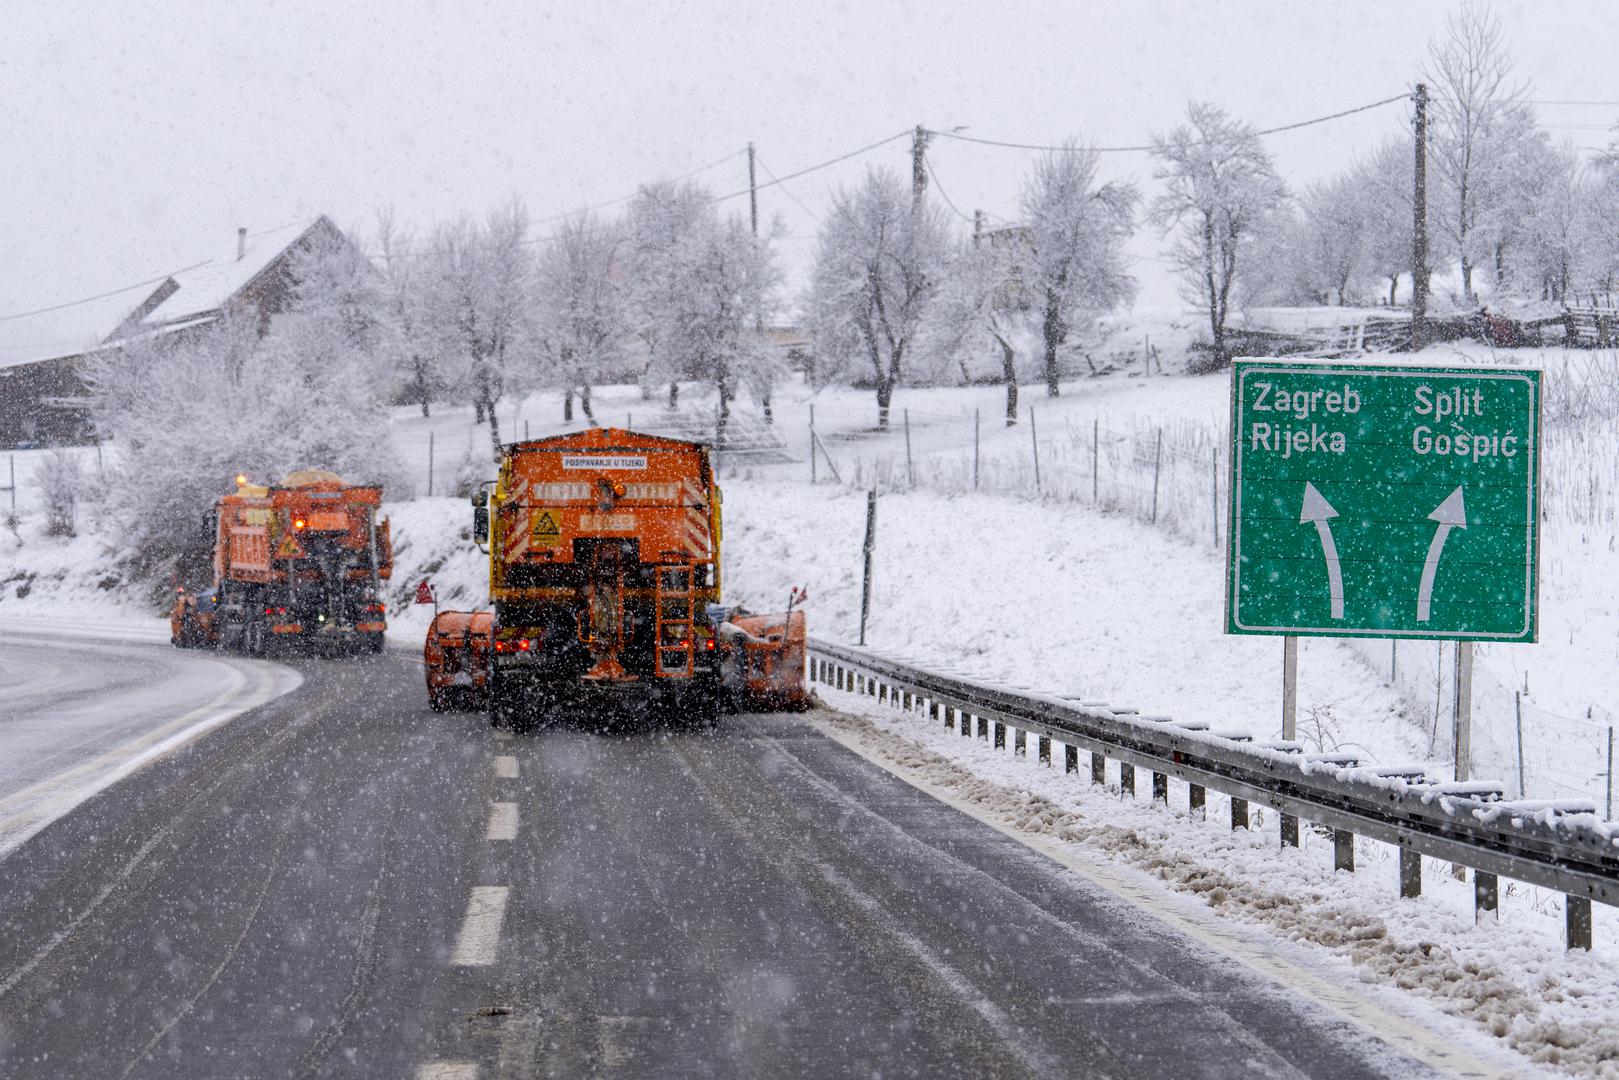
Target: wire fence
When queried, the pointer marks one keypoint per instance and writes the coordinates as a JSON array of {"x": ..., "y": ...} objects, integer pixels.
[{"x": 1175, "y": 477}]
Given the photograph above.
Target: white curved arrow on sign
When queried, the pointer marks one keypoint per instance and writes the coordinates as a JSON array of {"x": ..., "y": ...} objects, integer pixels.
[
  {"x": 1451, "y": 514},
  {"x": 1317, "y": 509}
]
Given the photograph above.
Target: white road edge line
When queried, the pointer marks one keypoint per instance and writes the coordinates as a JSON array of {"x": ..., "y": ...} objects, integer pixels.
[
  {"x": 506, "y": 767},
  {"x": 1401, "y": 1031},
  {"x": 447, "y": 1070},
  {"x": 475, "y": 946},
  {"x": 503, "y": 821},
  {"x": 53, "y": 797}
]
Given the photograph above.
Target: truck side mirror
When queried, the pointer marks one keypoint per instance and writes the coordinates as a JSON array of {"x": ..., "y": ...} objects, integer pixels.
[{"x": 480, "y": 525}]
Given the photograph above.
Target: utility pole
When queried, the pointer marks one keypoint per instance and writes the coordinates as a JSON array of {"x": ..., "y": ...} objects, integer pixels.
[
  {"x": 919, "y": 167},
  {"x": 1419, "y": 223},
  {"x": 753, "y": 193}
]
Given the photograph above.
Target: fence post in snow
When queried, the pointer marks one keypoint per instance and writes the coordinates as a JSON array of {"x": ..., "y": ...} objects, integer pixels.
[
  {"x": 1035, "y": 440},
  {"x": 1517, "y": 708},
  {"x": 429, "y": 464},
  {"x": 1157, "y": 464},
  {"x": 812, "y": 444},
  {"x": 975, "y": 449},
  {"x": 910, "y": 469},
  {"x": 1608, "y": 813},
  {"x": 1096, "y": 457},
  {"x": 870, "y": 546}
]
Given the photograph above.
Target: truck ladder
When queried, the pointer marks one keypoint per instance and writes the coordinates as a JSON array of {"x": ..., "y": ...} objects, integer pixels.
[{"x": 673, "y": 596}]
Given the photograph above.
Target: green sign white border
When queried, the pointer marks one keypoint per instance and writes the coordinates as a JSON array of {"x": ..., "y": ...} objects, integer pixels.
[{"x": 1243, "y": 366}]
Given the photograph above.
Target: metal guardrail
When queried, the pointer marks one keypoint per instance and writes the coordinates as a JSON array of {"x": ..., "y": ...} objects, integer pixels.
[{"x": 1557, "y": 845}]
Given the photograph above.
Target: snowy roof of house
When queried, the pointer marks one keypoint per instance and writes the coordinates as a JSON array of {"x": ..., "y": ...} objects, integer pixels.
[
  {"x": 196, "y": 295},
  {"x": 206, "y": 288}
]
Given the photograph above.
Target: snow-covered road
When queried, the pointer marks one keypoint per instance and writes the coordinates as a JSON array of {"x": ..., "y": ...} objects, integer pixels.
[{"x": 81, "y": 707}]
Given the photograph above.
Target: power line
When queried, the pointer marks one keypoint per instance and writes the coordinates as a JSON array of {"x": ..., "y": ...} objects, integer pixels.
[
  {"x": 1145, "y": 148},
  {"x": 788, "y": 190},
  {"x": 942, "y": 193},
  {"x": 816, "y": 168},
  {"x": 626, "y": 198},
  {"x": 102, "y": 296}
]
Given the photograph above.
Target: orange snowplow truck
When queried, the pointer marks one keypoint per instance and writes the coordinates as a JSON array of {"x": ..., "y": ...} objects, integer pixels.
[
  {"x": 604, "y": 575},
  {"x": 299, "y": 563}
]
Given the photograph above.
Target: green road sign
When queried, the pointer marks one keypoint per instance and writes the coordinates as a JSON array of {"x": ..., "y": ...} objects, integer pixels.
[{"x": 1383, "y": 501}]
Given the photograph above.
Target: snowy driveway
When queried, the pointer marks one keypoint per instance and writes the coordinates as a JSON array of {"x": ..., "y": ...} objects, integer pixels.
[{"x": 82, "y": 707}]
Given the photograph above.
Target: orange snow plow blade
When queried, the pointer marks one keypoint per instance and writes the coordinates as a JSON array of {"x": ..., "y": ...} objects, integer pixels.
[
  {"x": 456, "y": 658},
  {"x": 764, "y": 661}
]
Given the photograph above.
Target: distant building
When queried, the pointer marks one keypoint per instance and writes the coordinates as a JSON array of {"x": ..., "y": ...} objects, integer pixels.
[{"x": 43, "y": 400}]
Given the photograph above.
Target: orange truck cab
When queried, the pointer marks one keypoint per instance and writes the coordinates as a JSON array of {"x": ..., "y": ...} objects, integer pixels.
[{"x": 456, "y": 658}]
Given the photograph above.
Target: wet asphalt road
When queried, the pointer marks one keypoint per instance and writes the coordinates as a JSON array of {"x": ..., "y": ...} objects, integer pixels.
[{"x": 314, "y": 890}]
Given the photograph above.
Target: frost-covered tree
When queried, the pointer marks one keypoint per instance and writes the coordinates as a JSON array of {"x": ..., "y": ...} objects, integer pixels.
[
  {"x": 1384, "y": 186},
  {"x": 1220, "y": 189},
  {"x": 417, "y": 358},
  {"x": 1476, "y": 111},
  {"x": 191, "y": 412},
  {"x": 480, "y": 305},
  {"x": 983, "y": 306},
  {"x": 1599, "y": 215},
  {"x": 663, "y": 228},
  {"x": 701, "y": 287},
  {"x": 1077, "y": 232},
  {"x": 582, "y": 318},
  {"x": 876, "y": 271}
]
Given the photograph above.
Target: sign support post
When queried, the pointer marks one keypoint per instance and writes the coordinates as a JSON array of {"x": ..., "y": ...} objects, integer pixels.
[
  {"x": 1463, "y": 730},
  {"x": 1290, "y": 721}
]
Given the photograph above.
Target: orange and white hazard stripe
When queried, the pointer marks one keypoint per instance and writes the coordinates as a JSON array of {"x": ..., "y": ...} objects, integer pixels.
[{"x": 696, "y": 538}]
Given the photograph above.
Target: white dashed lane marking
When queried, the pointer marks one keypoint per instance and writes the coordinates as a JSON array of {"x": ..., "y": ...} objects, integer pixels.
[
  {"x": 503, "y": 736},
  {"x": 506, "y": 767},
  {"x": 447, "y": 1070},
  {"x": 503, "y": 821},
  {"x": 480, "y": 930}
]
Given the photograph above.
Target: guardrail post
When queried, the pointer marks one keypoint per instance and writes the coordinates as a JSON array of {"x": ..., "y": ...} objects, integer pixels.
[
  {"x": 875, "y": 688},
  {"x": 1290, "y": 831},
  {"x": 1410, "y": 874},
  {"x": 983, "y": 728},
  {"x": 1070, "y": 758},
  {"x": 964, "y": 724},
  {"x": 1577, "y": 913},
  {"x": 1486, "y": 895},
  {"x": 1098, "y": 769},
  {"x": 1000, "y": 735},
  {"x": 1127, "y": 779},
  {"x": 1197, "y": 799},
  {"x": 1043, "y": 749},
  {"x": 1239, "y": 813},
  {"x": 1343, "y": 850},
  {"x": 1160, "y": 788},
  {"x": 1020, "y": 742}
]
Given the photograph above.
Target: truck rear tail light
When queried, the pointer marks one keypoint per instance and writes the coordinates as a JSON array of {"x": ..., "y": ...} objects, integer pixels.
[{"x": 523, "y": 644}]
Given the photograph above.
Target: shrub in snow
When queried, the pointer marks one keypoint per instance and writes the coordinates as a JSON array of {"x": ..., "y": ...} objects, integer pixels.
[{"x": 63, "y": 483}]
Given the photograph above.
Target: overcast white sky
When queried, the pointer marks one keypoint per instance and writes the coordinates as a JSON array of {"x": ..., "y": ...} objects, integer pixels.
[{"x": 135, "y": 138}]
